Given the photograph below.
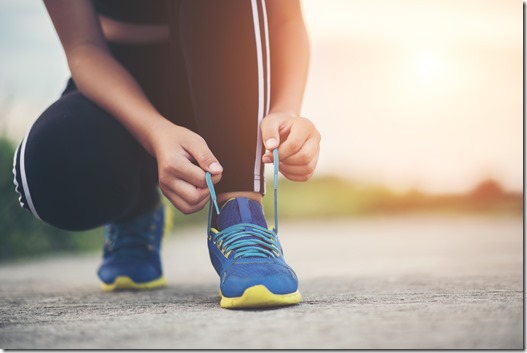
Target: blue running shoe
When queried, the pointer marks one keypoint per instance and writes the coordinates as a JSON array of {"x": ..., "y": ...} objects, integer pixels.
[
  {"x": 131, "y": 258},
  {"x": 248, "y": 256}
]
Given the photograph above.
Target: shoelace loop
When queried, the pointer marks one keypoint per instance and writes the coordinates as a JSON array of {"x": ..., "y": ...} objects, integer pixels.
[{"x": 247, "y": 240}]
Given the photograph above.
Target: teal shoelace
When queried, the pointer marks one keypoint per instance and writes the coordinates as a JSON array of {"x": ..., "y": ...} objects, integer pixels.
[{"x": 246, "y": 239}]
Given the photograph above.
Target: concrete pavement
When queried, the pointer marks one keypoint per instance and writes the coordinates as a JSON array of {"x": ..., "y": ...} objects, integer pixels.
[{"x": 408, "y": 282}]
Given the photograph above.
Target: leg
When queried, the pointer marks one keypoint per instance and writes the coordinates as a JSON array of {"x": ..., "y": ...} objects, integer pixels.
[
  {"x": 223, "y": 49},
  {"x": 77, "y": 168},
  {"x": 223, "y": 44}
]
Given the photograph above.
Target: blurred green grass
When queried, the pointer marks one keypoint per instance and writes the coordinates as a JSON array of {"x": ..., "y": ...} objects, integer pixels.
[
  {"x": 327, "y": 197},
  {"x": 22, "y": 236}
]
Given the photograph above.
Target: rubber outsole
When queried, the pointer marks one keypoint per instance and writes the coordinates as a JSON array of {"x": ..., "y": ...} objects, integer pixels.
[
  {"x": 259, "y": 297},
  {"x": 125, "y": 282}
]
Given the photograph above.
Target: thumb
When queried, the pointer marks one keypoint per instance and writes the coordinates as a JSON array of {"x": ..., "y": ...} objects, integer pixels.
[
  {"x": 205, "y": 158},
  {"x": 270, "y": 132}
]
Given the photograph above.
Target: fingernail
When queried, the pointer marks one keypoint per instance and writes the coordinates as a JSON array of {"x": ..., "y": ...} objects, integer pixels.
[
  {"x": 215, "y": 167},
  {"x": 270, "y": 143},
  {"x": 266, "y": 159}
]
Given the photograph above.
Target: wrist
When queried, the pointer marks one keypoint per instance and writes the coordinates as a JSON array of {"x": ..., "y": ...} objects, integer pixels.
[
  {"x": 289, "y": 112},
  {"x": 284, "y": 108},
  {"x": 155, "y": 126}
]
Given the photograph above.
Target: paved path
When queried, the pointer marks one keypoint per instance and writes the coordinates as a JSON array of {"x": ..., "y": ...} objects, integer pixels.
[{"x": 413, "y": 282}]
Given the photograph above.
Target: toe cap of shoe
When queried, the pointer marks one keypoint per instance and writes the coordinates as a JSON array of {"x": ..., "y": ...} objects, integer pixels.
[
  {"x": 277, "y": 278},
  {"x": 138, "y": 271}
]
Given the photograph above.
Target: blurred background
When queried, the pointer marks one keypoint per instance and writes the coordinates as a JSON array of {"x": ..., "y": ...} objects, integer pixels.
[{"x": 419, "y": 103}]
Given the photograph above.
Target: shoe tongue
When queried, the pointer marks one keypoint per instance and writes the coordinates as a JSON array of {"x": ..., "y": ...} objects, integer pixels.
[{"x": 241, "y": 210}]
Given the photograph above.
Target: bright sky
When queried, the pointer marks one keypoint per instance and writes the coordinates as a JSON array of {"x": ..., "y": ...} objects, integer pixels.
[
  {"x": 409, "y": 93},
  {"x": 418, "y": 93}
]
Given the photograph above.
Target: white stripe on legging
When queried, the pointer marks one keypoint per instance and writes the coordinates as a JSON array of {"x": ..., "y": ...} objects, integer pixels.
[
  {"x": 24, "y": 178},
  {"x": 261, "y": 98},
  {"x": 268, "y": 67},
  {"x": 267, "y": 58},
  {"x": 14, "y": 176}
]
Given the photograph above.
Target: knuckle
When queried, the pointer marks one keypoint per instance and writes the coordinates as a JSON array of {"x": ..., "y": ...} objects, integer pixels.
[
  {"x": 199, "y": 140},
  {"x": 164, "y": 181},
  {"x": 304, "y": 157},
  {"x": 206, "y": 157},
  {"x": 170, "y": 169},
  {"x": 194, "y": 199},
  {"x": 167, "y": 195},
  {"x": 195, "y": 138},
  {"x": 305, "y": 121},
  {"x": 310, "y": 170}
]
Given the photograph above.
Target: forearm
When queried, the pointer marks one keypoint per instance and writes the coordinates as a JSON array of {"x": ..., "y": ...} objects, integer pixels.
[
  {"x": 289, "y": 49},
  {"x": 102, "y": 79},
  {"x": 97, "y": 74}
]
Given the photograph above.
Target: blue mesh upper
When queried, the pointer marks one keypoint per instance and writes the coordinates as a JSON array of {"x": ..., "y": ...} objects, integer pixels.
[
  {"x": 239, "y": 274},
  {"x": 231, "y": 214},
  {"x": 132, "y": 248}
]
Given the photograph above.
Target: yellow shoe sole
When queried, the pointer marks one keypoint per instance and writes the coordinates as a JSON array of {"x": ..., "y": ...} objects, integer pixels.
[
  {"x": 125, "y": 282},
  {"x": 259, "y": 297}
]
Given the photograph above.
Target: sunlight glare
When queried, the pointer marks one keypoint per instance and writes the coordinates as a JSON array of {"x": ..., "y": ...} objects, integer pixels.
[{"x": 428, "y": 65}]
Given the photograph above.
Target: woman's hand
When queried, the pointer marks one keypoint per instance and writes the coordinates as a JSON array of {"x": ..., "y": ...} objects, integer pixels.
[
  {"x": 180, "y": 180},
  {"x": 298, "y": 143}
]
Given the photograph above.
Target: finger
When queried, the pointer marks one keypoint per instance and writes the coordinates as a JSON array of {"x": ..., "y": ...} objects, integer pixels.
[
  {"x": 301, "y": 178},
  {"x": 299, "y": 134},
  {"x": 198, "y": 149},
  {"x": 299, "y": 170},
  {"x": 268, "y": 157},
  {"x": 189, "y": 193},
  {"x": 309, "y": 151},
  {"x": 185, "y": 191},
  {"x": 184, "y": 169},
  {"x": 215, "y": 178},
  {"x": 305, "y": 155},
  {"x": 183, "y": 206},
  {"x": 270, "y": 128}
]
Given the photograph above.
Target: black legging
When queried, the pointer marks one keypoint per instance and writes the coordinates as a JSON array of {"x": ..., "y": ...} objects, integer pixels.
[{"x": 78, "y": 168}]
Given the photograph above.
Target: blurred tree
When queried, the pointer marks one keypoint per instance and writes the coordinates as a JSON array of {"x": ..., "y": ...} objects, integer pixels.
[{"x": 487, "y": 190}]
